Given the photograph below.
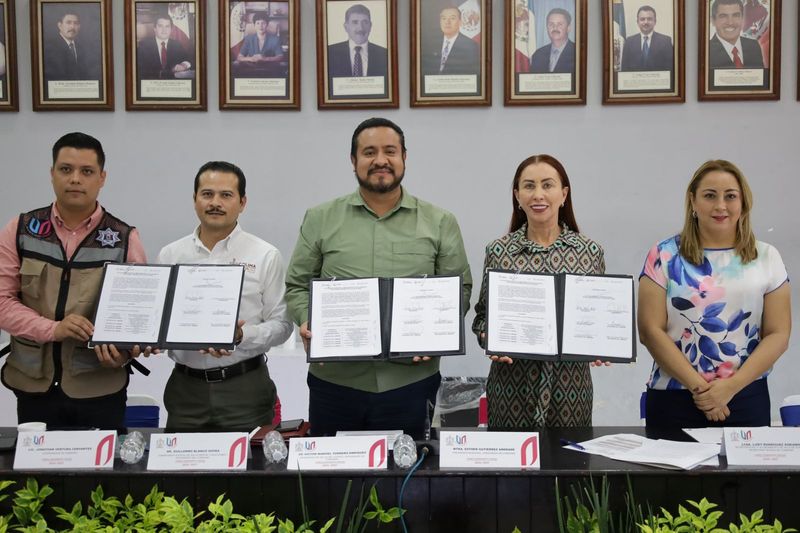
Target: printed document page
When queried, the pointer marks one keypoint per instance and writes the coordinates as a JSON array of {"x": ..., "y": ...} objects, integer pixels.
[
  {"x": 426, "y": 315},
  {"x": 131, "y": 304},
  {"x": 598, "y": 316},
  {"x": 521, "y": 311},
  {"x": 205, "y": 304},
  {"x": 345, "y": 318}
]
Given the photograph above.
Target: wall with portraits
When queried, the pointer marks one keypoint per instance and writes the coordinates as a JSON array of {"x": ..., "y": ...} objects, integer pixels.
[{"x": 629, "y": 166}]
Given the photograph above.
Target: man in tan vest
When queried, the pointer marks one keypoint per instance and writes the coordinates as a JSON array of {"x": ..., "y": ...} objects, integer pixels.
[{"x": 51, "y": 264}]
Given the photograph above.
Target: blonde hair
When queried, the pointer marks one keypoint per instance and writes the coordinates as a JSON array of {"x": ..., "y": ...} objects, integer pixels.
[{"x": 745, "y": 244}]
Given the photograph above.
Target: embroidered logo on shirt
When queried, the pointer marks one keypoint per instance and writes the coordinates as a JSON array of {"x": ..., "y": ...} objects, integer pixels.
[
  {"x": 107, "y": 237},
  {"x": 40, "y": 228},
  {"x": 248, "y": 267}
]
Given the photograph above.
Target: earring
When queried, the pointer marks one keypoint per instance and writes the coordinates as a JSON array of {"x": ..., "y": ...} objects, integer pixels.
[{"x": 694, "y": 214}]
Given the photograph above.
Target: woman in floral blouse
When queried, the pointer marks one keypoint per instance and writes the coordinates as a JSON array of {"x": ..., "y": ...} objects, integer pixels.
[
  {"x": 714, "y": 310},
  {"x": 543, "y": 238}
]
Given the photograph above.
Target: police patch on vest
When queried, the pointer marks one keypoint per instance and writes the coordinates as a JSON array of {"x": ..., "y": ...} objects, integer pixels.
[
  {"x": 40, "y": 228},
  {"x": 108, "y": 237}
]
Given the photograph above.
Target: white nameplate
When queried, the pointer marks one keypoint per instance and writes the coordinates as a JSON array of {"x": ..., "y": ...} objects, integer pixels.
[
  {"x": 55, "y": 450},
  {"x": 763, "y": 446},
  {"x": 338, "y": 453},
  {"x": 198, "y": 451},
  {"x": 491, "y": 451}
]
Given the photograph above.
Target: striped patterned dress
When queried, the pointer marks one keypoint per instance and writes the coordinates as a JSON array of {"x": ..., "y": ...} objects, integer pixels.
[{"x": 539, "y": 393}]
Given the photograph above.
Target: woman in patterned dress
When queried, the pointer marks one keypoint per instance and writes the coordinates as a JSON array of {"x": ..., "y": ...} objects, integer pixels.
[
  {"x": 543, "y": 238},
  {"x": 714, "y": 310}
]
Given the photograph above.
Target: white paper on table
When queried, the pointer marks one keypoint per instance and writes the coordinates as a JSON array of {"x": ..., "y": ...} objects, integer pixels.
[
  {"x": 205, "y": 304},
  {"x": 345, "y": 318},
  {"x": 131, "y": 303},
  {"x": 426, "y": 314},
  {"x": 598, "y": 316},
  {"x": 521, "y": 311},
  {"x": 660, "y": 453},
  {"x": 706, "y": 435}
]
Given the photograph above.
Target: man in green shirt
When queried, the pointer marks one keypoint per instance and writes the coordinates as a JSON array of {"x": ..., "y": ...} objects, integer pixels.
[{"x": 378, "y": 231}]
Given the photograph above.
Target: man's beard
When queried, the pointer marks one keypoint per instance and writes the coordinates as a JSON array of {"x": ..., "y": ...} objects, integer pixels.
[{"x": 380, "y": 187}]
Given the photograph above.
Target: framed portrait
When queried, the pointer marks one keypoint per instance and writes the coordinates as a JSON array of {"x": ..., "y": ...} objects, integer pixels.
[
  {"x": 165, "y": 55},
  {"x": 451, "y": 47},
  {"x": 740, "y": 50},
  {"x": 356, "y": 54},
  {"x": 643, "y": 51},
  {"x": 259, "y": 54},
  {"x": 72, "y": 55},
  {"x": 8, "y": 58},
  {"x": 545, "y": 52}
]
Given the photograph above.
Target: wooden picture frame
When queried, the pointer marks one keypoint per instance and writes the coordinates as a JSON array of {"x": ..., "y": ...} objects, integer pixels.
[
  {"x": 259, "y": 54},
  {"x": 9, "y": 100},
  {"x": 451, "y": 53},
  {"x": 347, "y": 77},
  {"x": 529, "y": 76},
  {"x": 643, "y": 52},
  {"x": 72, "y": 55},
  {"x": 727, "y": 73},
  {"x": 165, "y": 55}
]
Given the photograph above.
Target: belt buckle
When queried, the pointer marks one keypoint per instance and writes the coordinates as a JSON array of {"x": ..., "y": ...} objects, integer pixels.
[{"x": 214, "y": 375}]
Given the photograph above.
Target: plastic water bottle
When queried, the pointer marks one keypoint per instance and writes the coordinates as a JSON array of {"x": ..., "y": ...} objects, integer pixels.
[
  {"x": 404, "y": 451},
  {"x": 132, "y": 449},
  {"x": 275, "y": 449}
]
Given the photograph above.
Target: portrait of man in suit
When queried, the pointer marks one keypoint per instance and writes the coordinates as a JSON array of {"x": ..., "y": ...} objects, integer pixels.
[
  {"x": 648, "y": 50},
  {"x": 453, "y": 53},
  {"x": 159, "y": 56},
  {"x": 559, "y": 55},
  {"x": 727, "y": 48},
  {"x": 357, "y": 56},
  {"x": 66, "y": 54}
]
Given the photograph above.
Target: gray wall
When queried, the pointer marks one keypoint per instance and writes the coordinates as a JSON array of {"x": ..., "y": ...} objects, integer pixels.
[{"x": 629, "y": 166}]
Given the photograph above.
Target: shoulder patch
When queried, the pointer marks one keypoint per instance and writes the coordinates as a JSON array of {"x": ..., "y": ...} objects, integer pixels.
[{"x": 40, "y": 228}]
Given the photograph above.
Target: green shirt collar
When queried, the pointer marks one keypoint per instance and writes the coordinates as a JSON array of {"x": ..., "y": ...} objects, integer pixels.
[{"x": 407, "y": 201}]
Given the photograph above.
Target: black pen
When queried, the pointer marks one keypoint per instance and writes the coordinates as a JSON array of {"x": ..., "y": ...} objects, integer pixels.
[{"x": 565, "y": 442}]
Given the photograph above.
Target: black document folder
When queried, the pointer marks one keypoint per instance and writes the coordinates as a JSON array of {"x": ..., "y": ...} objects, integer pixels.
[
  {"x": 183, "y": 307},
  {"x": 590, "y": 317},
  {"x": 341, "y": 330}
]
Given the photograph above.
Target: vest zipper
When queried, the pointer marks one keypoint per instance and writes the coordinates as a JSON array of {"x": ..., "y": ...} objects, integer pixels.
[{"x": 61, "y": 305}]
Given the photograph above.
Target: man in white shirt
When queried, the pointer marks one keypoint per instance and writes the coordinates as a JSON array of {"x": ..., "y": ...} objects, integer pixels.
[{"x": 213, "y": 390}]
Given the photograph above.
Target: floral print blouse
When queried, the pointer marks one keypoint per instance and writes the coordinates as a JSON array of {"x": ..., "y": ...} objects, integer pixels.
[{"x": 713, "y": 309}]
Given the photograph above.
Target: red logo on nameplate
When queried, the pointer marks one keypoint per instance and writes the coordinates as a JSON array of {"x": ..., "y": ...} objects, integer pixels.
[
  {"x": 239, "y": 447},
  {"x": 377, "y": 454},
  {"x": 104, "y": 447},
  {"x": 529, "y": 451}
]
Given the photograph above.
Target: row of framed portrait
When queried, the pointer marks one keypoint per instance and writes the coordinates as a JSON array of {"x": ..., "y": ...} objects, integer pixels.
[{"x": 356, "y": 45}]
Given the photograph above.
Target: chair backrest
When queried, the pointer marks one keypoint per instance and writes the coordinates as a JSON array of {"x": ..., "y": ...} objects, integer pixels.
[{"x": 142, "y": 411}]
